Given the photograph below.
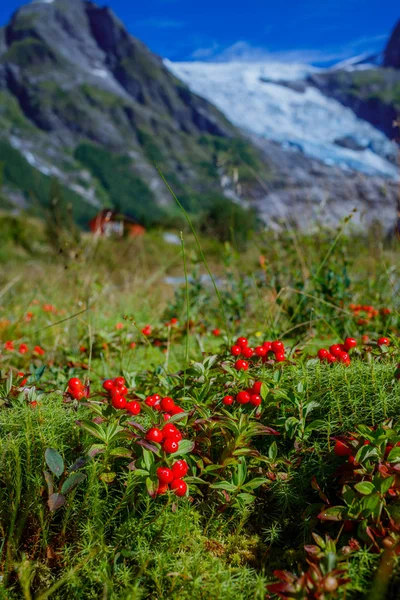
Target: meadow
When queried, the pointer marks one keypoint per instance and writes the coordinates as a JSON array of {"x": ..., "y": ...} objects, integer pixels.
[{"x": 199, "y": 420}]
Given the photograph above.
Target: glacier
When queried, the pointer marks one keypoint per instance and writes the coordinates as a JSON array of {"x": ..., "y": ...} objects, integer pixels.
[{"x": 261, "y": 99}]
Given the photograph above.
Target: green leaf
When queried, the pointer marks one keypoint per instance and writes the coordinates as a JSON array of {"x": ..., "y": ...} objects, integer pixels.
[
  {"x": 194, "y": 480},
  {"x": 39, "y": 372},
  {"x": 224, "y": 485},
  {"x": 55, "y": 501},
  {"x": 72, "y": 481},
  {"x": 9, "y": 382},
  {"x": 332, "y": 514},
  {"x": 386, "y": 484},
  {"x": 121, "y": 452},
  {"x": 148, "y": 458},
  {"x": 255, "y": 483},
  {"x": 273, "y": 451},
  {"x": 394, "y": 455},
  {"x": 54, "y": 461},
  {"x": 365, "y": 487},
  {"x": 315, "y": 425},
  {"x": 246, "y": 498},
  {"x": 94, "y": 429},
  {"x": 185, "y": 446},
  {"x": 264, "y": 391}
]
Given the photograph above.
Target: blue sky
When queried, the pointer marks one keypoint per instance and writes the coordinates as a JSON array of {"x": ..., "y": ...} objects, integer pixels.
[{"x": 317, "y": 31}]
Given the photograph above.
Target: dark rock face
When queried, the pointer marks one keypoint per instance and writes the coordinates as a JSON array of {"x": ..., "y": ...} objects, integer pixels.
[
  {"x": 392, "y": 51},
  {"x": 69, "y": 44},
  {"x": 373, "y": 94}
]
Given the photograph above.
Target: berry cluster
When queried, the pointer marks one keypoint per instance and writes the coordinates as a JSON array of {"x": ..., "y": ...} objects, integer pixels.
[
  {"x": 172, "y": 478},
  {"x": 249, "y": 396},
  {"x": 23, "y": 348},
  {"x": 169, "y": 437},
  {"x": 242, "y": 348},
  {"x": 166, "y": 405},
  {"x": 146, "y": 330},
  {"x": 118, "y": 391},
  {"x": 366, "y": 312},
  {"x": 76, "y": 389},
  {"x": 338, "y": 352}
]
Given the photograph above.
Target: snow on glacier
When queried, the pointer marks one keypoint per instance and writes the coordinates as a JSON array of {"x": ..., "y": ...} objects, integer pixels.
[{"x": 251, "y": 96}]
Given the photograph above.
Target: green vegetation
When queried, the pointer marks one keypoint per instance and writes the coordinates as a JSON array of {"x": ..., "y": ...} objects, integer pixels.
[
  {"x": 36, "y": 186},
  {"x": 126, "y": 190},
  {"x": 30, "y": 52},
  {"x": 255, "y": 498}
]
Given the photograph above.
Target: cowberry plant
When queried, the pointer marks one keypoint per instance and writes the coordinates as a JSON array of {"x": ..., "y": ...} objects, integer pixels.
[{"x": 165, "y": 440}]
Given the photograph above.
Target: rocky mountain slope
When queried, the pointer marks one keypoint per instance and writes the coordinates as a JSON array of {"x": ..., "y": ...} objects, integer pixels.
[
  {"x": 372, "y": 93},
  {"x": 84, "y": 103}
]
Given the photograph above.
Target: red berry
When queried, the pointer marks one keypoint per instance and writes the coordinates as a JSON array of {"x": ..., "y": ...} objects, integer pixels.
[
  {"x": 118, "y": 401},
  {"x": 157, "y": 406},
  {"x": 277, "y": 346},
  {"x": 166, "y": 416},
  {"x": 165, "y": 475},
  {"x": 349, "y": 343},
  {"x": 179, "y": 487},
  {"x": 260, "y": 351},
  {"x": 167, "y": 404},
  {"x": 170, "y": 446},
  {"x": 241, "y": 365},
  {"x": 155, "y": 435},
  {"x": 216, "y": 332},
  {"x": 118, "y": 381},
  {"x": 180, "y": 469},
  {"x": 77, "y": 394},
  {"x": 242, "y": 342},
  {"x": 267, "y": 346},
  {"x": 280, "y": 357},
  {"x": 170, "y": 431},
  {"x": 133, "y": 407},
  {"x": 341, "y": 449},
  {"x": 123, "y": 390},
  {"x": 331, "y": 359},
  {"x": 75, "y": 384},
  {"x": 228, "y": 400},
  {"x": 108, "y": 385},
  {"x": 255, "y": 400},
  {"x": 323, "y": 354},
  {"x": 175, "y": 410},
  {"x": 335, "y": 350},
  {"x": 247, "y": 352},
  {"x": 383, "y": 341},
  {"x": 344, "y": 358},
  {"x": 243, "y": 397},
  {"x": 236, "y": 350},
  {"x": 256, "y": 389},
  {"x": 150, "y": 400},
  {"x": 162, "y": 489}
]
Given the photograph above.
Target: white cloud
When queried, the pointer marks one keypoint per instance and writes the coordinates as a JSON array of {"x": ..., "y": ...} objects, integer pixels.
[{"x": 243, "y": 51}]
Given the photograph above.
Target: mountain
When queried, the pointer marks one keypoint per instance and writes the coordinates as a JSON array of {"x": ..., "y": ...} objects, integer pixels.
[
  {"x": 392, "y": 50},
  {"x": 85, "y": 102},
  {"x": 86, "y": 110}
]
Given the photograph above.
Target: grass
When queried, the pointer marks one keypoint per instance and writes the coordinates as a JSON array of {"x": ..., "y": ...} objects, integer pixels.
[{"x": 111, "y": 539}]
